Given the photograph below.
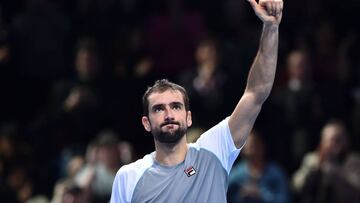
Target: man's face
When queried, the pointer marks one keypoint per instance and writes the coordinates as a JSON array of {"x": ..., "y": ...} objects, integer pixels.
[{"x": 168, "y": 119}]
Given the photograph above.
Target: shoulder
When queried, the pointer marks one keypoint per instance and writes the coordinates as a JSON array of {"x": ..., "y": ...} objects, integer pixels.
[
  {"x": 128, "y": 176},
  {"x": 311, "y": 155},
  {"x": 311, "y": 159},
  {"x": 136, "y": 168},
  {"x": 220, "y": 131},
  {"x": 218, "y": 141}
]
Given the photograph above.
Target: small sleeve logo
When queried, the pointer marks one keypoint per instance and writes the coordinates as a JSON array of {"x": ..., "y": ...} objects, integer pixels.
[{"x": 190, "y": 171}]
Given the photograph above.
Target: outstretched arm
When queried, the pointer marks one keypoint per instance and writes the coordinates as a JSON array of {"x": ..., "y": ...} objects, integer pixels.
[{"x": 262, "y": 73}]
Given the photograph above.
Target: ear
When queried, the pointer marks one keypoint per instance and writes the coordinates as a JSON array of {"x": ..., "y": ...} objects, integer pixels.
[
  {"x": 188, "y": 119},
  {"x": 146, "y": 123}
]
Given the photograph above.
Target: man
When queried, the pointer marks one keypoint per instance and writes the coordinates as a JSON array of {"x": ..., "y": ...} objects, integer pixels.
[
  {"x": 198, "y": 172},
  {"x": 255, "y": 179},
  {"x": 330, "y": 173}
]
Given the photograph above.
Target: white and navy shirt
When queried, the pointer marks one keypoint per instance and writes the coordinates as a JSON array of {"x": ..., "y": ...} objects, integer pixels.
[{"x": 201, "y": 177}]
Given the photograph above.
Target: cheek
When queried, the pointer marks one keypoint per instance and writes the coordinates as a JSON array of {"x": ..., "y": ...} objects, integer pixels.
[
  {"x": 155, "y": 117},
  {"x": 154, "y": 122}
]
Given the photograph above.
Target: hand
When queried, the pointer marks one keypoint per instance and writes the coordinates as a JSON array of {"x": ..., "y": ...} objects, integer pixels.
[
  {"x": 73, "y": 100},
  {"x": 269, "y": 11},
  {"x": 79, "y": 96}
]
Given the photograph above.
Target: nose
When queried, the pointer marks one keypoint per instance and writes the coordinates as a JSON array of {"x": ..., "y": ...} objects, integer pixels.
[{"x": 169, "y": 116}]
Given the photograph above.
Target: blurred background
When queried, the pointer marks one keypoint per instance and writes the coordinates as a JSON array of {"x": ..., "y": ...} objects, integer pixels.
[{"x": 72, "y": 74}]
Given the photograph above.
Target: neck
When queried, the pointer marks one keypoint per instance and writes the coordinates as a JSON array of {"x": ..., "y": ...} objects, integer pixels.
[{"x": 171, "y": 154}]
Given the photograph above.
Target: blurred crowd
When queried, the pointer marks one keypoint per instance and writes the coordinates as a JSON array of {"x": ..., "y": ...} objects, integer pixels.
[{"x": 72, "y": 74}]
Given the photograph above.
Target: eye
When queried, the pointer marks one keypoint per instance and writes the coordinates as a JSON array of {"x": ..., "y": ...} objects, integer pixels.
[
  {"x": 177, "y": 107},
  {"x": 158, "y": 109}
]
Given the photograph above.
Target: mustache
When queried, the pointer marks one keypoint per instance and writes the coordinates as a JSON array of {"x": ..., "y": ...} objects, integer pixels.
[{"x": 169, "y": 122}]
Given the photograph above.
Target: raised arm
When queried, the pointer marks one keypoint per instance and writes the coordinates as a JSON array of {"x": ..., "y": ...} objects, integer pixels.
[{"x": 262, "y": 73}]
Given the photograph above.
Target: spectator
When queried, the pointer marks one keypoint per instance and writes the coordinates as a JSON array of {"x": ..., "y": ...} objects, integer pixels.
[
  {"x": 206, "y": 83},
  {"x": 329, "y": 174},
  {"x": 298, "y": 107},
  {"x": 76, "y": 109},
  {"x": 331, "y": 70},
  {"x": 74, "y": 163},
  {"x": 127, "y": 153},
  {"x": 255, "y": 179},
  {"x": 96, "y": 178}
]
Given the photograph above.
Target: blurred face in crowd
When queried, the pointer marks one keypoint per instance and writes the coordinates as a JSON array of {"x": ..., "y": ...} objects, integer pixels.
[
  {"x": 126, "y": 152},
  {"x": 333, "y": 141},
  {"x": 87, "y": 64},
  {"x": 206, "y": 52},
  {"x": 109, "y": 156},
  {"x": 168, "y": 118},
  {"x": 297, "y": 65},
  {"x": 7, "y": 147}
]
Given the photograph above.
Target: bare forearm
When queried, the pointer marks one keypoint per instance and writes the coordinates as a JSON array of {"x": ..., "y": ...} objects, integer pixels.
[{"x": 262, "y": 73}]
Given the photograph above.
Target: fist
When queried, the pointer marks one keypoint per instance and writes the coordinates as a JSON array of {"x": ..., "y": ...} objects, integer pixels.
[
  {"x": 269, "y": 11},
  {"x": 272, "y": 7}
]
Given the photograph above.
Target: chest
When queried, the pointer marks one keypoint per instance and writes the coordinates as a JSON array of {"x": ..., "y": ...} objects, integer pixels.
[{"x": 200, "y": 173}]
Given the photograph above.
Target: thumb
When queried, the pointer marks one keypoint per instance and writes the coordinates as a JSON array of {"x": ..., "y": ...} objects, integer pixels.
[{"x": 253, "y": 3}]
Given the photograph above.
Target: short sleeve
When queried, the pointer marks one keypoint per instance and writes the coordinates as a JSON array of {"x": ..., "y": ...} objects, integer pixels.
[
  {"x": 218, "y": 140},
  {"x": 126, "y": 179},
  {"x": 120, "y": 189}
]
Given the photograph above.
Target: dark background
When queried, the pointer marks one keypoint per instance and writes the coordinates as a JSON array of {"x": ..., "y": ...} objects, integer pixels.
[{"x": 38, "y": 42}]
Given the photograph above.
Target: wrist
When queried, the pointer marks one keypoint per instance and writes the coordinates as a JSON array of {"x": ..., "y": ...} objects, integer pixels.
[{"x": 271, "y": 26}]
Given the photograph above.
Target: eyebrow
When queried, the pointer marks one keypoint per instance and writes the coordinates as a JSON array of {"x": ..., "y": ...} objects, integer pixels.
[
  {"x": 171, "y": 104},
  {"x": 176, "y": 104}
]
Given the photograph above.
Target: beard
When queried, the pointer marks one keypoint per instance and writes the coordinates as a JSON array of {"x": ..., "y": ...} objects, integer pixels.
[{"x": 169, "y": 137}]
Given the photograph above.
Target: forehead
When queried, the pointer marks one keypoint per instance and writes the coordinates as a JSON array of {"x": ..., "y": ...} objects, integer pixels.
[{"x": 165, "y": 97}]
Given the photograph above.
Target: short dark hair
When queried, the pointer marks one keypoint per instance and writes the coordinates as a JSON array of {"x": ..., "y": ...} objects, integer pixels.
[{"x": 161, "y": 86}]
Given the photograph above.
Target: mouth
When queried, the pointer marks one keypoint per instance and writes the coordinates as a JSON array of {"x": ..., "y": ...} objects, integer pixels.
[{"x": 170, "y": 124}]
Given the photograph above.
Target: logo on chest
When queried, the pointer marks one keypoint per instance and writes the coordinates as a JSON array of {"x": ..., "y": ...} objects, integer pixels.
[{"x": 190, "y": 171}]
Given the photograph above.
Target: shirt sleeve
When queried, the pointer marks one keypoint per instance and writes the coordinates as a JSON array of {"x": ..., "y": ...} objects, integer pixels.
[
  {"x": 218, "y": 140},
  {"x": 127, "y": 178},
  {"x": 119, "y": 189}
]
